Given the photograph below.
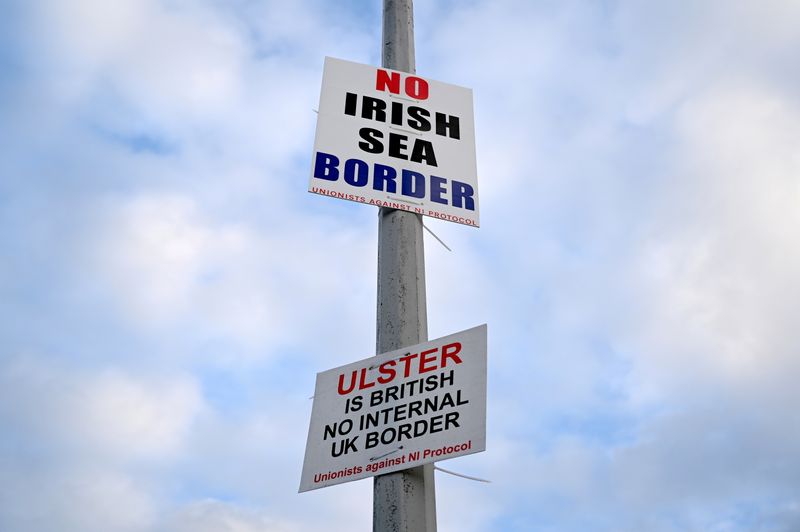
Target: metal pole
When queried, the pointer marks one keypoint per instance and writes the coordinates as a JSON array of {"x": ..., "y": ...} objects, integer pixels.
[{"x": 403, "y": 501}]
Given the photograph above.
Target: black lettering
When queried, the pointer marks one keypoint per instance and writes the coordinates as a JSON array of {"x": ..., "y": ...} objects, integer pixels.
[
  {"x": 376, "y": 398},
  {"x": 344, "y": 447},
  {"x": 451, "y": 418},
  {"x": 447, "y": 123},
  {"x": 414, "y": 408},
  {"x": 388, "y": 435},
  {"x": 372, "y": 420},
  {"x": 391, "y": 393},
  {"x": 399, "y": 413},
  {"x": 422, "y": 152},
  {"x": 370, "y": 144},
  {"x": 350, "y": 103},
  {"x": 418, "y": 118},
  {"x": 357, "y": 402},
  {"x": 374, "y": 109},
  {"x": 459, "y": 400},
  {"x": 405, "y": 430},
  {"x": 397, "y": 113},
  {"x": 447, "y": 400},
  {"x": 436, "y": 424},
  {"x": 397, "y": 146},
  {"x": 449, "y": 379}
]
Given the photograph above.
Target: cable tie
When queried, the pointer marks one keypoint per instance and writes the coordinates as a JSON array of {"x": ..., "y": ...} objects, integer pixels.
[
  {"x": 385, "y": 454},
  {"x": 443, "y": 470},
  {"x": 436, "y": 237}
]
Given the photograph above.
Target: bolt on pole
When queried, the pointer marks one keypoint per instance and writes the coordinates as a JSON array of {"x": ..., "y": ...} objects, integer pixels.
[{"x": 403, "y": 501}]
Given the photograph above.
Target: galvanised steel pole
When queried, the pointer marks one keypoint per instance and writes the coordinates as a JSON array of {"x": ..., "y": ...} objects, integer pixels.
[{"x": 403, "y": 501}]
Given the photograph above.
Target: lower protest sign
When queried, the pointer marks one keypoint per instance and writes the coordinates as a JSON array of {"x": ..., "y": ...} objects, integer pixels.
[{"x": 401, "y": 409}]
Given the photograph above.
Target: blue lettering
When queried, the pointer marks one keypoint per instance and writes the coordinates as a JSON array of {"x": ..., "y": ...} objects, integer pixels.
[
  {"x": 356, "y": 172},
  {"x": 385, "y": 178},
  {"x": 437, "y": 189},
  {"x": 465, "y": 192},
  {"x": 326, "y": 166},
  {"x": 413, "y": 184}
]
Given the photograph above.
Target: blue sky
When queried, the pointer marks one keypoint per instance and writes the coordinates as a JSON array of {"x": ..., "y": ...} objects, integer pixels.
[{"x": 170, "y": 288}]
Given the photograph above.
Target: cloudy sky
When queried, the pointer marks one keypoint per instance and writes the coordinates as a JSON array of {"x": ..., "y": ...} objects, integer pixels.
[{"x": 169, "y": 288}]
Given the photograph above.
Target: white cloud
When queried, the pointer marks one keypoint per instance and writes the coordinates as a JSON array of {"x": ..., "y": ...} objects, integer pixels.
[
  {"x": 107, "y": 413},
  {"x": 75, "y": 440},
  {"x": 173, "y": 62},
  {"x": 215, "y": 516},
  {"x": 135, "y": 417},
  {"x": 165, "y": 262},
  {"x": 157, "y": 250},
  {"x": 84, "y": 497}
]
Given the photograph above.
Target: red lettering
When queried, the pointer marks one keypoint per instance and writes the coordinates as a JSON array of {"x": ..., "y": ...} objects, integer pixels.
[
  {"x": 387, "y": 371},
  {"x": 451, "y": 351},
  {"x": 426, "y": 361},
  {"x": 342, "y": 391},
  {"x": 407, "y": 359},
  {"x": 417, "y": 88},
  {"x": 386, "y": 79},
  {"x": 426, "y": 357},
  {"x": 362, "y": 384}
]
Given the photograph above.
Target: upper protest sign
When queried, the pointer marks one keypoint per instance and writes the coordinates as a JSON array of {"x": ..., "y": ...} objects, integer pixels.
[
  {"x": 393, "y": 139},
  {"x": 398, "y": 410}
]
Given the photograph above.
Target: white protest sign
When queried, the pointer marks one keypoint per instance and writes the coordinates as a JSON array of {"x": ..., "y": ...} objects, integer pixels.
[
  {"x": 398, "y": 410},
  {"x": 397, "y": 140}
]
